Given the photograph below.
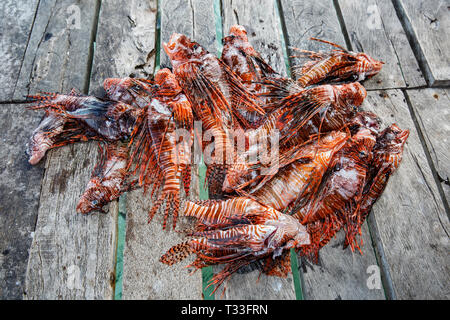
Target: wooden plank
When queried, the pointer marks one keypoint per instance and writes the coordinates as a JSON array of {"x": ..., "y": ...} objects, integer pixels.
[
  {"x": 194, "y": 18},
  {"x": 305, "y": 19},
  {"x": 433, "y": 116},
  {"x": 72, "y": 256},
  {"x": 342, "y": 274},
  {"x": 16, "y": 22},
  {"x": 58, "y": 53},
  {"x": 144, "y": 276},
  {"x": 262, "y": 25},
  {"x": 261, "y": 21},
  {"x": 125, "y": 43},
  {"x": 20, "y": 184},
  {"x": 410, "y": 217},
  {"x": 373, "y": 27},
  {"x": 427, "y": 23}
]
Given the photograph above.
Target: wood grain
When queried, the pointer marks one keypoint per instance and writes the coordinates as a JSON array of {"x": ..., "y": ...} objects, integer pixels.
[
  {"x": 427, "y": 23},
  {"x": 342, "y": 274},
  {"x": 16, "y": 22},
  {"x": 72, "y": 256},
  {"x": 125, "y": 43},
  {"x": 58, "y": 52},
  {"x": 20, "y": 184},
  {"x": 374, "y": 28},
  {"x": 410, "y": 217},
  {"x": 125, "y": 47},
  {"x": 433, "y": 116},
  {"x": 194, "y": 18}
]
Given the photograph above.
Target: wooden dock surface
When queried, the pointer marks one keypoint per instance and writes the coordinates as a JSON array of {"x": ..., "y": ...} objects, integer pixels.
[{"x": 48, "y": 251}]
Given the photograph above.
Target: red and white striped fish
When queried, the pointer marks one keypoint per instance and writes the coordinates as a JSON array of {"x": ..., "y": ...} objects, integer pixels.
[
  {"x": 109, "y": 179},
  {"x": 162, "y": 153},
  {"x": 236, "y": 233}
]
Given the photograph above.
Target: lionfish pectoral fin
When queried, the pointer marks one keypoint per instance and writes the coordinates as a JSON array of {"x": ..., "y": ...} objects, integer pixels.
[
  {"x": 278, "y": 88},
  {"x": 215, "y": 101},
  {"x": 240, "y": 95},
  {"x": 301, "y": 113}
]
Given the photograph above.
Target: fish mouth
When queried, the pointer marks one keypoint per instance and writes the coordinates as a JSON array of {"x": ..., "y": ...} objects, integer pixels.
[
  {"x": 399, "y": 135},
  {"x": 238, "y": 31},
  {"x": 403, "y": 136},
  {"x": 170, "y": 46},
  {"x": 36, "y": 158}
]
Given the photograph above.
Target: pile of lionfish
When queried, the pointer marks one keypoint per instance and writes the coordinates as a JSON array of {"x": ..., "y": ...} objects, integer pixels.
[{"x": 290, "y": 163}]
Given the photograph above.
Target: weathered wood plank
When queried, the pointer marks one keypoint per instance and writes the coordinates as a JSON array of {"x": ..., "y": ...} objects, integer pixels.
[
  {"x": 256, "y": 286},
  {"x": 261, "y": 21},
  {"x": 194, "y": 18},
  {"x": 342, "y": 274},
  {"x": 427, "y": 23},
  {"x": 72, "y": 256},
  {"x": 144, "y": 276},
  {"x": 20, "y": 184},
  {"x": 433, "y": 116},
  {"x": 306, "y": 19},
  {"x": 409, "y": 216},
  {"x": 16, "y": 22},
  {"x": 57, "y": 56},
  {"x": 373, "y": 27},
  {"x": 125, "y": 43}
]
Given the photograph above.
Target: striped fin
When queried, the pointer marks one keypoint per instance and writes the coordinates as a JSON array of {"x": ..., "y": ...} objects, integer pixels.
[{"x": 177, "y": 253}]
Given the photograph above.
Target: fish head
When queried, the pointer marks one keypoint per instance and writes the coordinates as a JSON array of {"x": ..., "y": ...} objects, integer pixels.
[
  {"x": 181, "y": 49},
  {"x": 239, "y": 31},
  {"x": 35, "y": 152},
  {"x": 116, "y": 86},
  {"x": 130, "y": 90},
  {"x": 167, "y": 82},
  {"x": 351, "y": 94},
  {"x": 367, "y": 65},
  {"x": 365, "y": 119},
  {"x": 91, "y": 199},
  {"x": 392, "y": 139},
  {"x": 364, "y": 141}
]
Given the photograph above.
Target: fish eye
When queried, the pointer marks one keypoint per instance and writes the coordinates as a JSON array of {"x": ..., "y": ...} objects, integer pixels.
[{"x": 195, "y": 46}]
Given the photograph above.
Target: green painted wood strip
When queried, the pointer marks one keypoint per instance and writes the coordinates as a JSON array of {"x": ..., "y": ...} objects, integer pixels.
[
  {"x": 121, "y": 225},
  {"x": 296, "y": 276},
  {"x": 207, "y": 273}
]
